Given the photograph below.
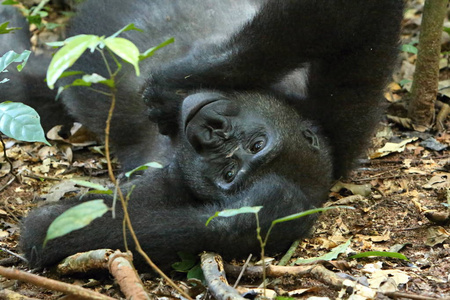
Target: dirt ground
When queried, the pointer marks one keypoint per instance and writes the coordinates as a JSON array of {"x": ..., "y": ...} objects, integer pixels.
[{"x": 401, "y": 202}]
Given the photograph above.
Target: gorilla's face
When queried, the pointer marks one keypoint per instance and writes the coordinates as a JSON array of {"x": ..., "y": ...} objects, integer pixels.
[{"x": 229, "y": 141}]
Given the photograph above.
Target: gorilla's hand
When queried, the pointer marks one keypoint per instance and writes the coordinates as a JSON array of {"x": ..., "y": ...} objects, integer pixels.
[{"x": 164, "y": 102}]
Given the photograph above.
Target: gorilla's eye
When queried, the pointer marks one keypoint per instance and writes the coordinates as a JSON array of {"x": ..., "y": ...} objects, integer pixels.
[
  {"x": 230, "y": 173},
  {"x": 257, "y": 146}
]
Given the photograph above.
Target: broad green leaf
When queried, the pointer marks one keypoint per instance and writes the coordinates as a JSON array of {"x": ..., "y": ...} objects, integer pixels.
[
  {"x": 196, "y": 272},
  {"x": 95, "y": 78},
  {"x": 333, "y": 254},
  {"x": 68, "y": 55},
  {"x": 9, "y": 2},
  {"x": 4, "y": 28},
  {"x": 70, "y": 73},
  {"x": 409, "y": 48},
  {"x": 108, "y": 192},
  {"x": 125, "y": 49},
  {"x": 236, "y": 211},
  {"x": 380, "y": 253},
  {"x": 128, "y": 27},
  {"x": 13, "y": 57},
  {"x": 55, "y": 44},
  {"x": 152, "y": 50},
  {"x": 21, "y": 122},
  {"x": 404, "y": 81},
  {"x": 36, "y": 20},
  {"x": 152, "y": 164},
  {"x": 75, "y": 218},
  {"x": 188, "y": 260},
  {"x": 305, "y": 213},
  {"x": 90, "y": 185}
]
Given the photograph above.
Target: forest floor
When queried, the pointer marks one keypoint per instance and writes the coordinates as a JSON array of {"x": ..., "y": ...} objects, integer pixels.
[{"x": 401, "y": 203}]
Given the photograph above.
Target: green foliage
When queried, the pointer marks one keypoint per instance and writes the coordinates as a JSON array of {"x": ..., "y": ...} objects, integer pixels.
[
  {"x": 97, "y": 188},
  {"x": 10, "y": 2},
  {"x": 21, "y": 122},
  {"x": 409, "y": 48},
  {"x": 4, "y": 28},
  {"x": 333, "y": 254},
  {"x": 125, "y": 49},
  {"x": 69, "y": 54},
  {"x": 144, "y": 167},
  {"x": 75, "y": 218},
  {"x": 189, "y": 264},
  {"x": 13, "y": 57},
  {"x": 74, "y": 47},
  {"x": 188, "y": 261},
  {"x": 380, "y": 253},
  {"x": 233, "y": 212}
]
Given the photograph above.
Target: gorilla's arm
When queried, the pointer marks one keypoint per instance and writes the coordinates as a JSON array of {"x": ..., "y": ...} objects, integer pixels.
[
  {"x": 281, "y": 37},
  {"x": 163, "y": 228}
]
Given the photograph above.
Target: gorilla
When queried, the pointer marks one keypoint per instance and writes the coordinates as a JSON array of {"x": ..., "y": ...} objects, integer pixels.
[{"x": 257, "y": 103}]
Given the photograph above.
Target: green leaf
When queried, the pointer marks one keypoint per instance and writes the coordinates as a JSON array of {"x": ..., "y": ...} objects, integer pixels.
[
  {"x": 404, "y": 81},
  {"x": 152, "y": 51},
  {"x": 95, "y": 78},
  {"x": 446, "y": 29},
  {"x": 4, "y": 28},
  {"x": 68, "y": 55},
  {"x": 236, "y": 211},
  {"x": 125, "y": 49},
  {"x": 380, "y": 253},
  {"x": 56, "y": 44},
  {"x": 21, "y": 122},
  {"x": 152, "y": 164},
  {"x": 409, "y": 48},
  {"x": 70, "y": 73},
  {"x": 126, "y": 28},
  {"x": 9, "y": 2},
  {"x": 333, "y": 254},
  {"x": 196, "y": 272},
  {"x": 90, "y": 185},
  {"x": 75, "y": 218},
  {"x": 108, "y": 192},
  {"x": 36, "y": 20},
  {"x": 188, "y": 260},
  {"x": 13, "y": 57},
  {"x": 307, "y": 212}
]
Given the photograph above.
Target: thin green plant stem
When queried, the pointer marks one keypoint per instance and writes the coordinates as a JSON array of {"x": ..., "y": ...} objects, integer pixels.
[{"x": 124, "y": 204}]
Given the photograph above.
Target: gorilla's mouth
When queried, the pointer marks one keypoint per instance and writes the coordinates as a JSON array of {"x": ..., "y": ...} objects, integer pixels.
[{"x": 194, "y": 103}]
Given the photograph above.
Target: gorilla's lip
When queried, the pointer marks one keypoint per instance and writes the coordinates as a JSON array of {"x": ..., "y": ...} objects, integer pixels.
[{"x": 194, "y": 103}]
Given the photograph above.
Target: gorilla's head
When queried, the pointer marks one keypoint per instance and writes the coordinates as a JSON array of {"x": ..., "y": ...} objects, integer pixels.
[{"x": 227, "y": 142}]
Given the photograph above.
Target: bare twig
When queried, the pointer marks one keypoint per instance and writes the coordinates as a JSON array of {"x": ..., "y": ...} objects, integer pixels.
[
  {"x": 10, "y": 295},
  {"x": 51, "y": 284},
  {"x": 121, "y": 267},
  {"x": 213, "y": 269},
  {"x": 119, "y": 264},
  {"x": 317, "y": 271},
  {"x": 396, "y": 295},
  {"x": 243, "y": 270},
  {"x": 285, "y": 259},
  {"x": 11, "y": 168}
]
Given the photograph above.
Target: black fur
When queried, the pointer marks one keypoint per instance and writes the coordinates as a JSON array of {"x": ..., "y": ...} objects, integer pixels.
[{"x": 257, "y": 102}]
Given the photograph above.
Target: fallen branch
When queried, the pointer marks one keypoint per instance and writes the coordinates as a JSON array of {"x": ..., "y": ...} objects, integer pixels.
[
  {"x": 6, "y": 294},
  {"x": 213, "y": 269},
  {"x": 317, "y": 271},
  {"x": 118, "y": 263},
  {"x": 51, "y": 284}
]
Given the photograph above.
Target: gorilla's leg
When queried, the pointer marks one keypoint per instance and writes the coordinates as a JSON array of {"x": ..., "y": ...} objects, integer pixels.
[{"x": 169, "y": 221}]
